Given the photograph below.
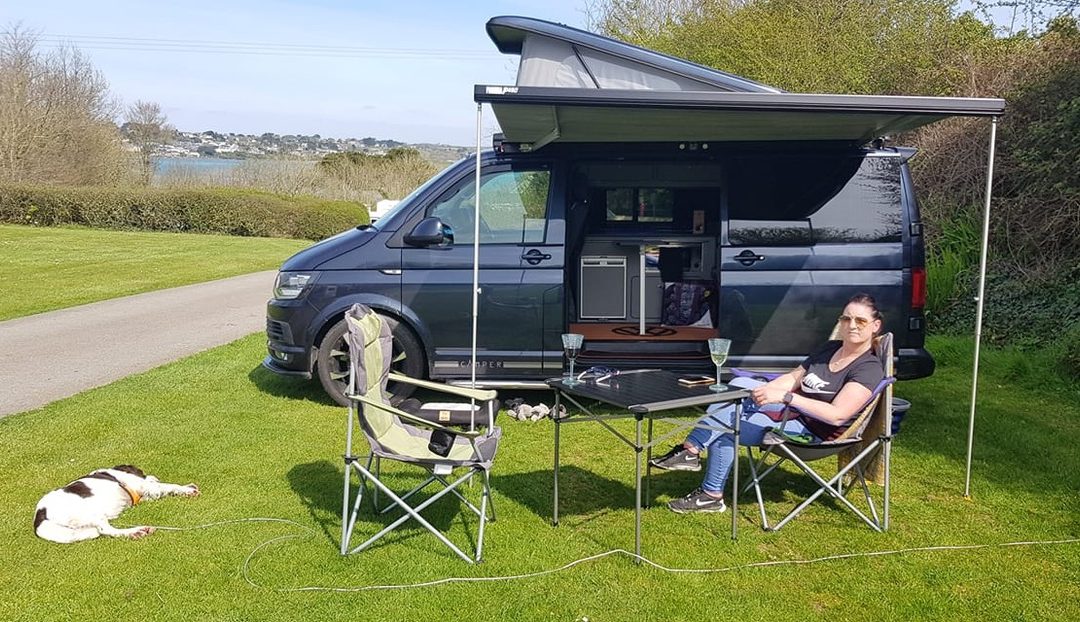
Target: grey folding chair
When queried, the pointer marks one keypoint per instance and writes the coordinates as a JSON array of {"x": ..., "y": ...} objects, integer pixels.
[
  {"x": 863, "y": 452},
  {"x": 419, "y": 437}
]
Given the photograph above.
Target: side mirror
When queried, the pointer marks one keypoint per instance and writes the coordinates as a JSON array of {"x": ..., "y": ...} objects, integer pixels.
[{"x": 430, "y": 232}]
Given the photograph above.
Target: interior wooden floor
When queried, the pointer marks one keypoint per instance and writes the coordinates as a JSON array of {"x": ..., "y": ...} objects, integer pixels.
[{"x": 629, "y": 332}]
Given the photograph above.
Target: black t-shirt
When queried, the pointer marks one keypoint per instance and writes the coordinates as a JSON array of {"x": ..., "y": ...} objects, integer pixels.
[{"x": 819, "y": 383}]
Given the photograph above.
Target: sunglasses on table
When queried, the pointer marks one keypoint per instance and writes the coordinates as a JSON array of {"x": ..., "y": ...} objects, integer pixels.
[
  {"x": 598, "y": 374},
  {"x": 861, "y": 322}
]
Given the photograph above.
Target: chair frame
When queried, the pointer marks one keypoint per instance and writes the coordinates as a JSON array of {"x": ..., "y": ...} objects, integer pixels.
[
  {"x": 879, "y": 404},
  {"x": 436, "y": 470}
]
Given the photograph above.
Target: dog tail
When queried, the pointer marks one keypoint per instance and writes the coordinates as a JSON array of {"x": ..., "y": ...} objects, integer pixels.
[{"x": 48, "y": 530}]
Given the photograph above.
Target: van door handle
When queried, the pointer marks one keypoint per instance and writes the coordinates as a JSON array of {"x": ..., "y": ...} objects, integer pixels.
[
  {"x": 749, "y": 258},
  {"x": 534, "y": 257}
]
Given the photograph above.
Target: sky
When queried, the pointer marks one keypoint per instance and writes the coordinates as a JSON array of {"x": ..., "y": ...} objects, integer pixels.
[{"x": 400, "y": 70}]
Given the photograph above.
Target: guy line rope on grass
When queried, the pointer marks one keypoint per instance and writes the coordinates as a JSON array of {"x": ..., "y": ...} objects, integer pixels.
[{"x": 310, "y": 533}]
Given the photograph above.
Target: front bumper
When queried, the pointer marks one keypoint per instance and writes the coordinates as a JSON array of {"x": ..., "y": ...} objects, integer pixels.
[
  {"x": 272, "y": 364},
  {"x": 284, "y": 355}
]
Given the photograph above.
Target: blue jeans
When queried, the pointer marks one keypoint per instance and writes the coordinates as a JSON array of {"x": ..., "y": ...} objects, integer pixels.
[{"x": 721, "y": 445}]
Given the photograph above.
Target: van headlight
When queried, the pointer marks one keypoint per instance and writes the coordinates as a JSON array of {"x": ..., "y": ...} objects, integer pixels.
[{"x": 291, "y": 285}]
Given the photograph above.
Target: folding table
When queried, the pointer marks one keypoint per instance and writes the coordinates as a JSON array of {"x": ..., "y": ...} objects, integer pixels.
[{"x": 642, "y": 394}]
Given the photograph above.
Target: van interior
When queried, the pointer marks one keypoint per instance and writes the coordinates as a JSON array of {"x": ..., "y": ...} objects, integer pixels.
[{"x": 641, "y": 270}]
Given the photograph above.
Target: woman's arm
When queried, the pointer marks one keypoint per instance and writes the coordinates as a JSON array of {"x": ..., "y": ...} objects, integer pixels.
[
  {"x": 843, "y": 407},
  {"x": 768, "y": 392}
]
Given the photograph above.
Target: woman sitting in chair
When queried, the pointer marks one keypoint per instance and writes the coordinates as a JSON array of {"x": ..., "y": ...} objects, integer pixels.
[{"x": 828, "y": 389}]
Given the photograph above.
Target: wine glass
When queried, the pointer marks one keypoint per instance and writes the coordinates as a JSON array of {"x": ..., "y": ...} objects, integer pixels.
[
  {"x": 718, "y": 350},
  {"x": 571, "y": 346}
]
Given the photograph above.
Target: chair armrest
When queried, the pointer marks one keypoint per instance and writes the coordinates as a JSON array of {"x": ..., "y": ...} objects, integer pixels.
[
  {"x": 476, "y": 394},
  {"x": 413, "y": 419},
  {"x": 739, "y": 372}
]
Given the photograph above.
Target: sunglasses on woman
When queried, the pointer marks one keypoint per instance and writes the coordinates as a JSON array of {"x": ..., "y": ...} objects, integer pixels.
[{"x": 860, "y": 322}]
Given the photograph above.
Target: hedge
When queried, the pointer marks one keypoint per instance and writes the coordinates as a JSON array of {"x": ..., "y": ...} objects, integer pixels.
[{"x": 214, "y": 210}]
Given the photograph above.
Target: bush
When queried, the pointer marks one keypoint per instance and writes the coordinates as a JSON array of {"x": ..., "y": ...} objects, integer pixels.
[
  {"x": 1067, "y": 354},
  {"x": 213, "y": 210},
  {"x": 1030, "y": 314}
]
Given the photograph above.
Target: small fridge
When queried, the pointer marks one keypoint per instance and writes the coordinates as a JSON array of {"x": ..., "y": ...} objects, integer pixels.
[{"x": 603, "y": 288}]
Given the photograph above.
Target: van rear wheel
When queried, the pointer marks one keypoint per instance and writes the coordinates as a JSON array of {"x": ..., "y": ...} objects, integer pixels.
[{"x": 332, "y": 362}]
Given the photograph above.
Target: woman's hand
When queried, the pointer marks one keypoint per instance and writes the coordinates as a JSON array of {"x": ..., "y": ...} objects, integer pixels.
[{"x": 768, "y": 394}]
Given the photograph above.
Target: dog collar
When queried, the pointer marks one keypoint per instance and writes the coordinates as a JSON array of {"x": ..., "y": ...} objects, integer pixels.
[{"x": 135, "y": 497}]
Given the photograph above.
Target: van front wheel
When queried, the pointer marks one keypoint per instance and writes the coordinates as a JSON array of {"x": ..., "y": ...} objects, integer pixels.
[{"x": 332, "y": 362}]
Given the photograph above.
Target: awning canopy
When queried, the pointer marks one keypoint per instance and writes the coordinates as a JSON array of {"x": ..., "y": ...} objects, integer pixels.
[
  {"x": 577, "y": 86},
  {"x": 535, "y": 116}
]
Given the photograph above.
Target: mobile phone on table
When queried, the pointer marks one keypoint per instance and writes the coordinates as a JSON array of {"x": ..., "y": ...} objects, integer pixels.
[{"x": 696, "y": 381}]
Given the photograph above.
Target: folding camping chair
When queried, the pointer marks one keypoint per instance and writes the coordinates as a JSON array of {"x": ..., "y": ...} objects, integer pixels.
[
  {"x": 863, "y": 452},
  {"x": 418, "y": 437}
]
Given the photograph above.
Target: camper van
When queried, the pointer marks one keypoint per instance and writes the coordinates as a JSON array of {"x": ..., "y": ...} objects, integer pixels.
[{"x": 643, "y": 201}]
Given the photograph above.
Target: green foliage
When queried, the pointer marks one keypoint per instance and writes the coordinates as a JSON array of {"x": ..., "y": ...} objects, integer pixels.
[
  {"x": 1067, "y": 353},
  {"x": 1030, "y": 314},
  {"x": 391, "y": 176},
  {"x": 228, "y": 211},
  {"x": 1038, "y": 179},
  {"x": 842, "y": 46},
  {"x": 951, "y": 258}
]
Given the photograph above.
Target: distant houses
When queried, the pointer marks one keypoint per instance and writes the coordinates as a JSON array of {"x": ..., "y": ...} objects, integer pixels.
[{"x": 229, "y": 145}]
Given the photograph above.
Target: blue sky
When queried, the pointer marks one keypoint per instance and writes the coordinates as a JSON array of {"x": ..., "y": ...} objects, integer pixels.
[{"x": 418, "y": 90}]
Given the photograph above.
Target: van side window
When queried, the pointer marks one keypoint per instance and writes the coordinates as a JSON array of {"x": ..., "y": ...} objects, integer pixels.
[
  {"x": 513, "y": 207},
  {"x": 814, "y": 199},
  {"x": 639, "y": 204}
]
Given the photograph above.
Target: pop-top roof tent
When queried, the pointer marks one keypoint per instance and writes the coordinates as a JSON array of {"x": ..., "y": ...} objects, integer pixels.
[{"x": 576, "y": 86}]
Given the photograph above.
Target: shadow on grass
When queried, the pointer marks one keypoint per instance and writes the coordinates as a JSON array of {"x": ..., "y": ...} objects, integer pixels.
[
  {"x": 581, "y": 492},
  {"x": 319, "y": 487},
  {"x": 288, "y": 387}
]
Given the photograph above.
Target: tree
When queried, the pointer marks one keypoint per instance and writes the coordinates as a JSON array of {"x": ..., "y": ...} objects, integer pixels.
[
  {"x": 55, "y": 115},
  {"x": 880, "y": 47},
  {"x": 147, "y": 128}
]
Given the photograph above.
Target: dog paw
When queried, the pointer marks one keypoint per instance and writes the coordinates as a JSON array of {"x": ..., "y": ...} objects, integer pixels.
[
  {"x": 141, "y": 532},
  {"x": 192, "y": 490}
]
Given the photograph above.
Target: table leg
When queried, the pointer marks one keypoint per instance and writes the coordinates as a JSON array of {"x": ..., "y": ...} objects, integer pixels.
[
  {"x": 735, "y": 475},
  {"x": 555, "y": 499},
  {"x": 648, "y": 467},
  {"x": 637, "y": 492}
]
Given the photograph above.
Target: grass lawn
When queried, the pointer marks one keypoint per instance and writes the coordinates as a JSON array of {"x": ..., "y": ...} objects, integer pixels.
[
  {"x": 261, "y": 446},
  {"x": 47, "y": 268}
]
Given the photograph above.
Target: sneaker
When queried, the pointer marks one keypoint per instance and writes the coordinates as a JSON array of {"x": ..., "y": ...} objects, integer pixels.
[
  {"x": 697, "y": 501},
  {"x": 678, "y": 459}
]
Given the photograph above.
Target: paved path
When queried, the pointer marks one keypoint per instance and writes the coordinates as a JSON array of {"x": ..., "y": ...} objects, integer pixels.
[{"x": 53, "y": 355}]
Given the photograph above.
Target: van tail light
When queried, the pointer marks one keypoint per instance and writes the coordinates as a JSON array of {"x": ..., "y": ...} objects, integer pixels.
[{"x": 918, "y": 288}]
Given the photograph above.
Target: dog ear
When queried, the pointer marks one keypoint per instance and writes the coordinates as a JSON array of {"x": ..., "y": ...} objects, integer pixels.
[{"x": 127, "y": 468}]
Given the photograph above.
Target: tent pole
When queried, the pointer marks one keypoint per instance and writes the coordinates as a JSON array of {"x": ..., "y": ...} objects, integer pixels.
[
  {"x": 476, "y": 245},
  {"x": 979, "y": 304}
]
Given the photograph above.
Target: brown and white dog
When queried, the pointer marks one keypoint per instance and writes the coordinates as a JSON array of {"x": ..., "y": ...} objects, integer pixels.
[{"x": 82, "y": 509}]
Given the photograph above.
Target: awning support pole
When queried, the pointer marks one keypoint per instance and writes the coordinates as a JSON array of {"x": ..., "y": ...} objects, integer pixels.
[
  {"x": 476, "y": 246},
  {"x": 979, "y": 304}
]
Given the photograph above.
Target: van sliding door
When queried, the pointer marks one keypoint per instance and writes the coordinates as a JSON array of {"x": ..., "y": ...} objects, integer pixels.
[{"x": 804, "y": 232}]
